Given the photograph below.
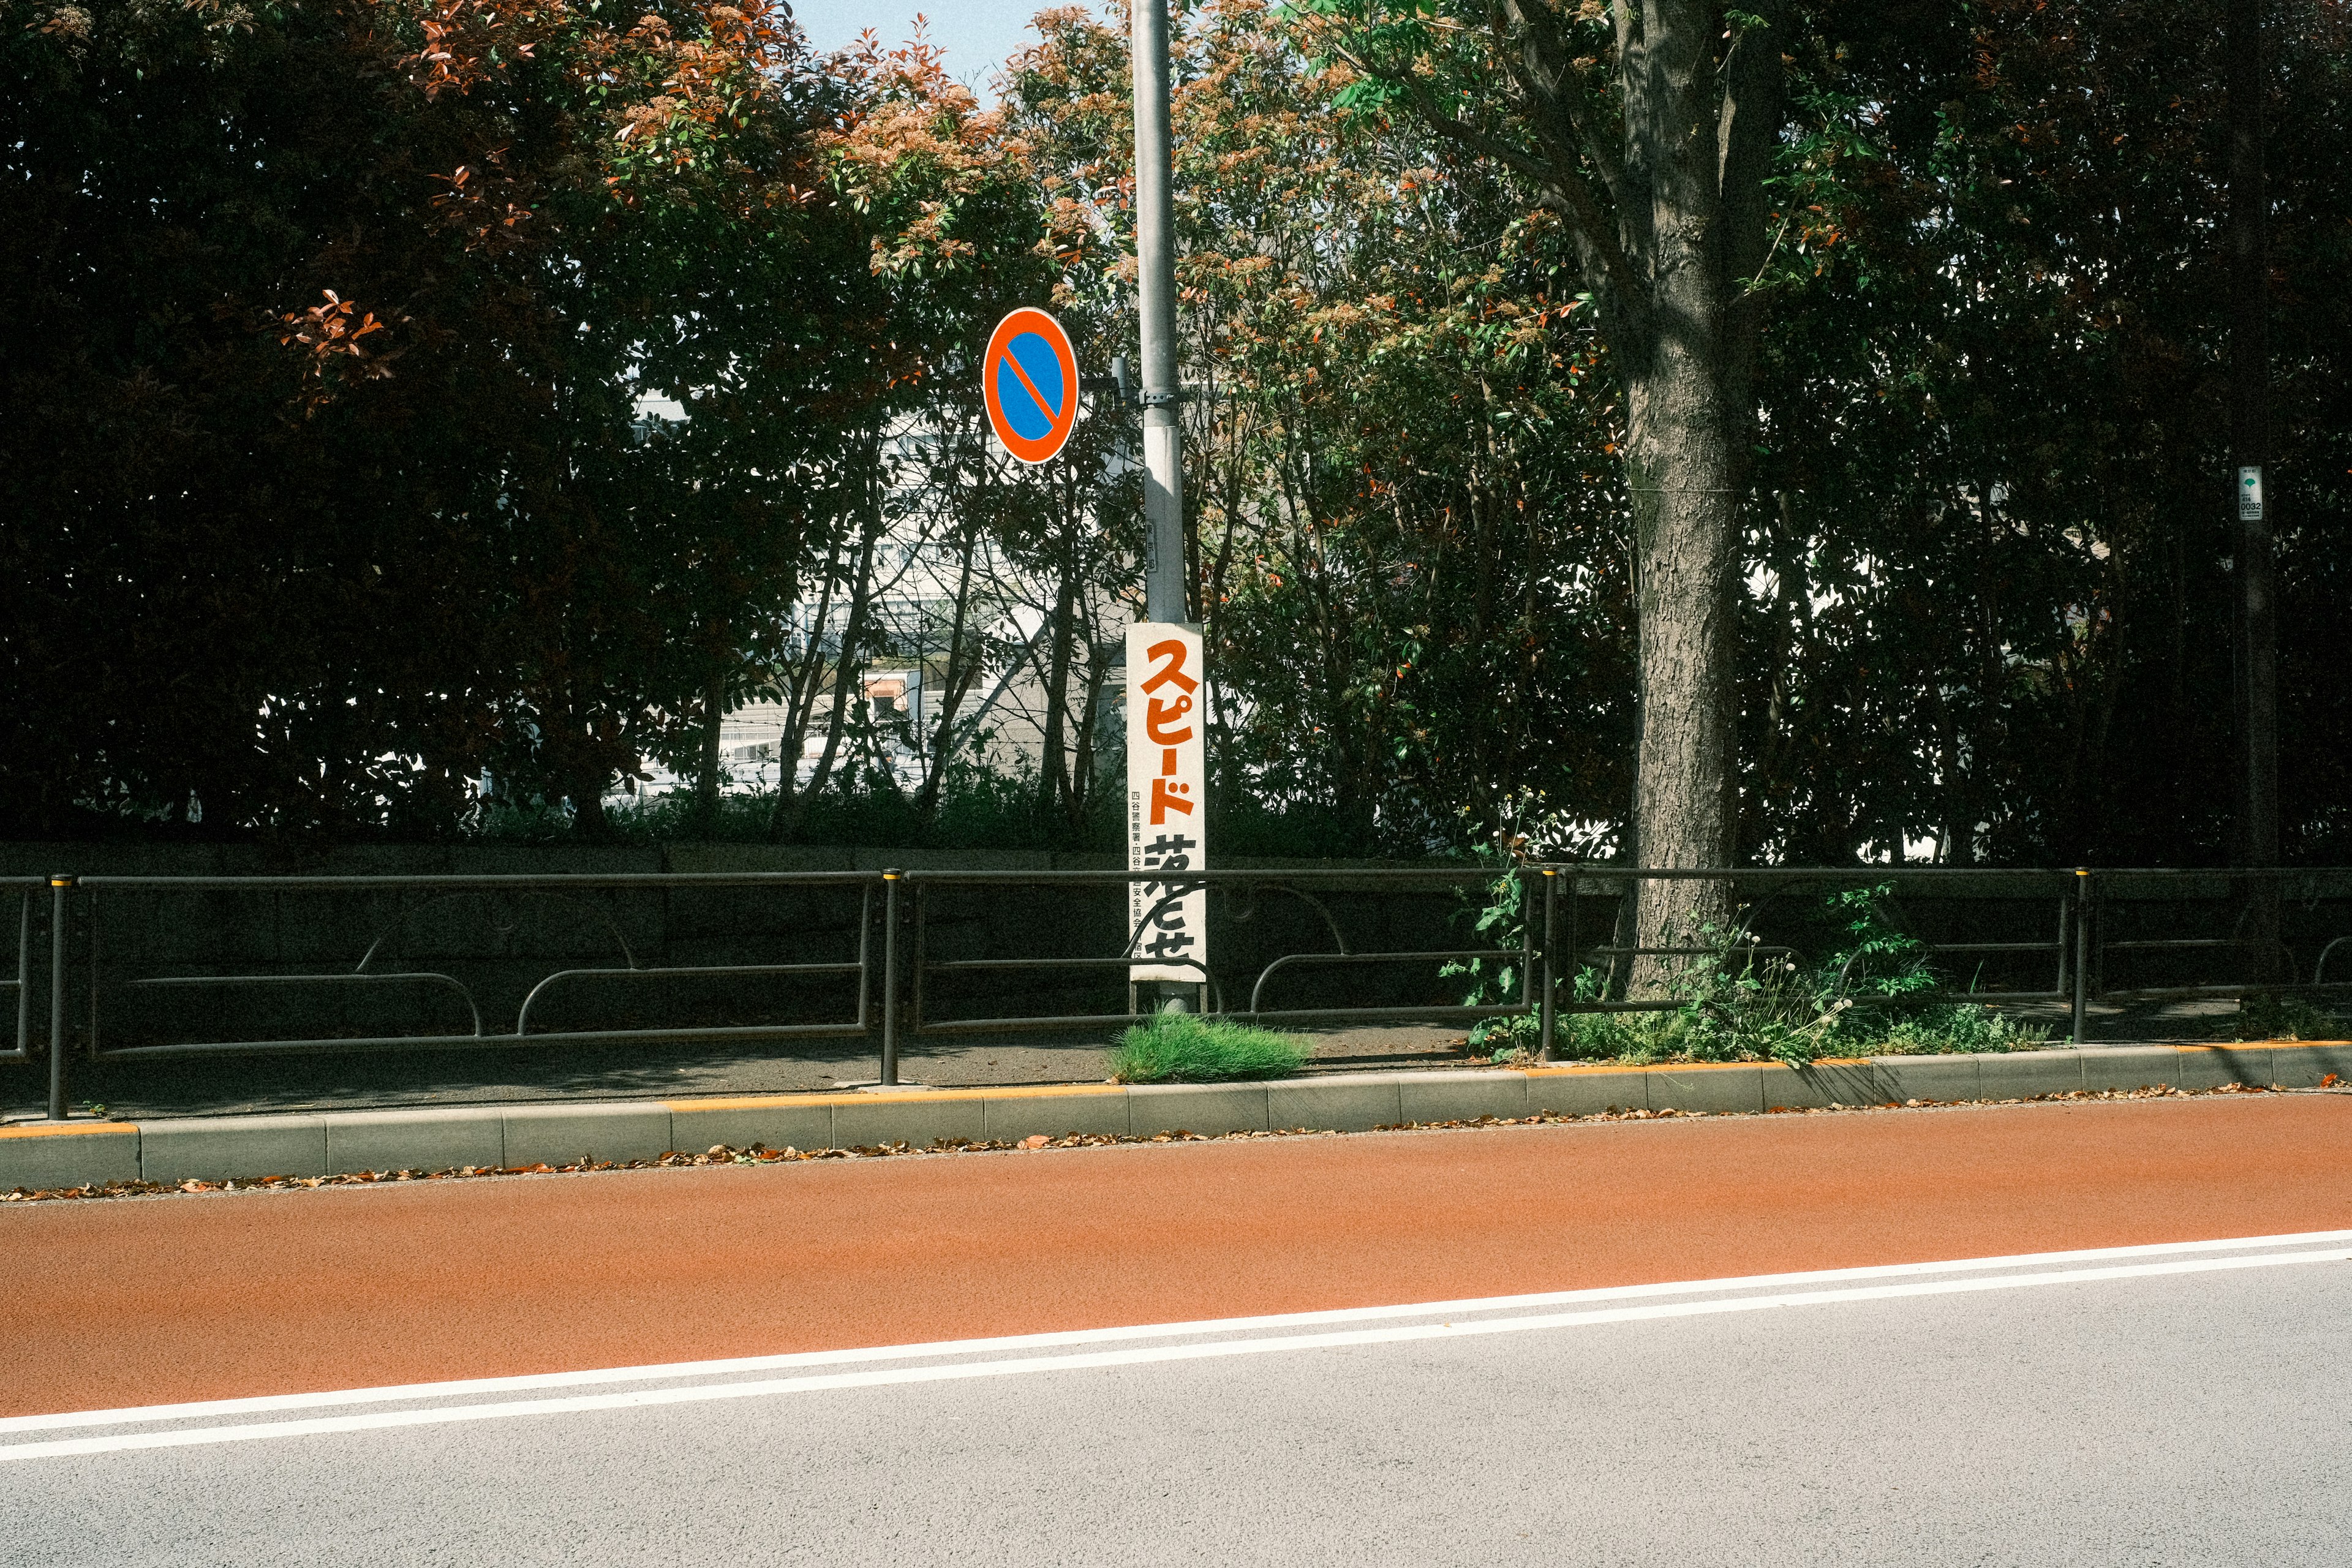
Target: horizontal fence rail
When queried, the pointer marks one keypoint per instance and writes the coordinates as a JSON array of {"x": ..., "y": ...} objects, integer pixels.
[
  {"x": 1308, "y": 888},
  {"x": 510, "y": 954},
  {"x": 400, "y": 914}
]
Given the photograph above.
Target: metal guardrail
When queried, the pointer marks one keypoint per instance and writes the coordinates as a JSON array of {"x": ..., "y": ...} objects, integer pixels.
[
  {"x": 2079, "y": 947},
  {"x": 1551, "y": 950},
  {"x": 1300, "y": 884},
  {"x": 28, "y": 892},
  {"x": 86, "y": 892}
]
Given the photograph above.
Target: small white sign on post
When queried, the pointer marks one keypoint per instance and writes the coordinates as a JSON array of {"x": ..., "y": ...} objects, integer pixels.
[
  {"x": 2249, "y": 495},
  {"x": 1167, "y": 799}
]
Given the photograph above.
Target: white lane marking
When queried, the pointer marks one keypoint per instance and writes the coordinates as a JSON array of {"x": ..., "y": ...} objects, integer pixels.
[
  {"x": 189, "y": 1436},
  {"x": 128, "y": 1415}
]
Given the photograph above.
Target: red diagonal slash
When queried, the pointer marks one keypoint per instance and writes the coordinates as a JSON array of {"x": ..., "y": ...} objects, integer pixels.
[{"x": 1047, "y": 409}]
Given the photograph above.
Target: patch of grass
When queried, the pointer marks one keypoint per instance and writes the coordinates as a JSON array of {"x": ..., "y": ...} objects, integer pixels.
[
  {"x": 1177, "y": 1047},
  {"x": 1960, "y": 1028},
  {"x": 1688, "y": 1034}
]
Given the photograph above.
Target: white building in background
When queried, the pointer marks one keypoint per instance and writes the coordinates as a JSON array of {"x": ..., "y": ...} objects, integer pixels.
[{"x": 1003, "y": 713}]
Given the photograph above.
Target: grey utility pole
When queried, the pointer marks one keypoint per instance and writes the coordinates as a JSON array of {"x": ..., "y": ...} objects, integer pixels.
[
  {"x": 1155, "y": 267},
  {"x": 2257, "y": 571},
  {"x": 2256, "y": 660}
]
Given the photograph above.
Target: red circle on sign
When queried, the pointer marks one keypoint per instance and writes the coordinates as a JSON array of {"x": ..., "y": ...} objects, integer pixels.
[{"x": 1029, "y": 380}]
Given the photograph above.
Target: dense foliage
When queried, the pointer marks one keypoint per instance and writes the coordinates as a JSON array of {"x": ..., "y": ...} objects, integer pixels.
[{"x": 336, "y": 339}]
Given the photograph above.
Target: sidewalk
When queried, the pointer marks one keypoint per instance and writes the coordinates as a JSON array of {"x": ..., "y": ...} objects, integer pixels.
[{"x": 244, "y": 1086}]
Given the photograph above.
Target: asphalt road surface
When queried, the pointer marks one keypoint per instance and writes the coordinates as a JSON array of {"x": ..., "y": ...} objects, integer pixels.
[{"x": 2103, "y": 1333}]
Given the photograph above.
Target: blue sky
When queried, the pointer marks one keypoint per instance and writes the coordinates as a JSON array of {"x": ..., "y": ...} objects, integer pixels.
[{"x": 978, "y": 35}]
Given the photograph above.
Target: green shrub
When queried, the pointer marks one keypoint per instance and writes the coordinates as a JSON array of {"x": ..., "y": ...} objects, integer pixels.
[
  {"x": 1734, "y": 1003},
  {"x": 1177, "y": 1047}
]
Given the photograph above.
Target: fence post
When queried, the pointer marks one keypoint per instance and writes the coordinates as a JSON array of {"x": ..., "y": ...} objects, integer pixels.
[
  {"x": 1550, "y": 979},
  {"x": 2082, "y": 955},
  {"x": 890, "y": 880},
  {"x": 61, "y": 882}
]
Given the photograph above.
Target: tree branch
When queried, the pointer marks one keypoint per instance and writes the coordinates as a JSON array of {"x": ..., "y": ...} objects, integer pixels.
[
  {"x": 1561, "y": 184},
  {"x": 1748, "y": 129},
  {"x": 1545, "y": 69}
]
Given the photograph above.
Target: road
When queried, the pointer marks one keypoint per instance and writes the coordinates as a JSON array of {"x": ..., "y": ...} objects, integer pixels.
[{"x": 2169, "y": 1403}]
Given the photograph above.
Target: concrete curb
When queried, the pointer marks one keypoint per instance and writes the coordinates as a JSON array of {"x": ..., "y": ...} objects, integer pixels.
[{"x": 43, "y": 1155}]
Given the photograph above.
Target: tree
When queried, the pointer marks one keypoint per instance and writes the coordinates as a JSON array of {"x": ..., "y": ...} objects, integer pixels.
[
  {"x": 325, "y": 326},
  {"x": 1650, "y": 128}
]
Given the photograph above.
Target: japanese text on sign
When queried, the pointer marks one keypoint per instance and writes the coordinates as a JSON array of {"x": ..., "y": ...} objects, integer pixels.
[{"x": 1166, "y": 799}]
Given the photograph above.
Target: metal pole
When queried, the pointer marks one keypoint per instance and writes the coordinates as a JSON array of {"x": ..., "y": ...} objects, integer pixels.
[
  {"x": 1155, "y": 267},
  {"x": 25, "y": 972},
  {"x": 2257, "y": 659},
  {"x": 890, "y": 880},
  {"x": 1550, "y": 980},
  {"x": 59, "y": 882},
  {"x": 2256, "y": 569},
  {"x": 2082, "y": 955}
]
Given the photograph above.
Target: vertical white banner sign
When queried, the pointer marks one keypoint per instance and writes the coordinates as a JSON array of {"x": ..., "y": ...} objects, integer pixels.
[{"x": 1167, "y": 797}]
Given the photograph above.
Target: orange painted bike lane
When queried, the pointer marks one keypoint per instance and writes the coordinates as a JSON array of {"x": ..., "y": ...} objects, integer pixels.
[{"x": 152, "y": 1300}]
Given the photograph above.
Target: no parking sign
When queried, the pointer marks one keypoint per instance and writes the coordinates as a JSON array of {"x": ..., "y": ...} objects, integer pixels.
[{"x": 1029, "y": 379}]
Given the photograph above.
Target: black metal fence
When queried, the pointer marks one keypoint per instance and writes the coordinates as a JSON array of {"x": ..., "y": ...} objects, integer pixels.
[{"x": 148, "y": 967}]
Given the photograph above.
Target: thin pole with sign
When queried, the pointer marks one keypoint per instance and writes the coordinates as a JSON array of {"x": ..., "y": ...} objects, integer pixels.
[
  {"x": 1155, "y": 262},
  {"x": 2257, "y": 655},
  {"x": 1166, "y": 729}
]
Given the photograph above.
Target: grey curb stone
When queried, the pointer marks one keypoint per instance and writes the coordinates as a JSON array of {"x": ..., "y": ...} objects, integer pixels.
[
  {"x": 1016, "y": 1117},
  {"x": 241, "y": 1147},
  {"x": 41, "y": 1160},
  {"x": 230, "y": 1148},
  {"x": 1205, "y": 1108},
  {"x": 1738, "y": 1088},
  {"x": 567, "y": 1134},
  {"x": 416, "y": 1140},
  {"x": 917, "y": 1121},
  {"x": 2128, "y": 1068},
  {"x": 2302, "y": 1066},
  {"x": 1821, "y": 1084},
  {"x": 1588, "y": 1091},
  {"x": 693, "y": 1128},
  {"x": 2213, "y": 1067},
  {"x": 1934, "y": 1078},
  {"x": 2017, "y": 1074},
  {"x": 1335, "y": 1104},
  {"x": 1466, "y": 1096}
]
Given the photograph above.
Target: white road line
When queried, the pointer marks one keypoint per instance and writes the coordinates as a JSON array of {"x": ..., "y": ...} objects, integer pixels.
[
  {"x": 601, "y": 1376},
  {"x": 187, "y": 1436}
]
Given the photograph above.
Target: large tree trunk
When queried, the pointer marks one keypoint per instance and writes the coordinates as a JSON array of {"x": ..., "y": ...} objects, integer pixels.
[
  {"x": 1654, "y": 153},
  {"x": 1686, "y": 517}
]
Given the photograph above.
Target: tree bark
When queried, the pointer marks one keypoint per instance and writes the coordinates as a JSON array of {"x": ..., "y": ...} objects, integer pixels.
[{"x": 1687, "y": 529}]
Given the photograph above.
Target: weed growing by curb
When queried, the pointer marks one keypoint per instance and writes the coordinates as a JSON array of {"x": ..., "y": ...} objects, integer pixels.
[
  {"x": 1736, "y": 1001},
  {"x": 1177, "y": 1047}
]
